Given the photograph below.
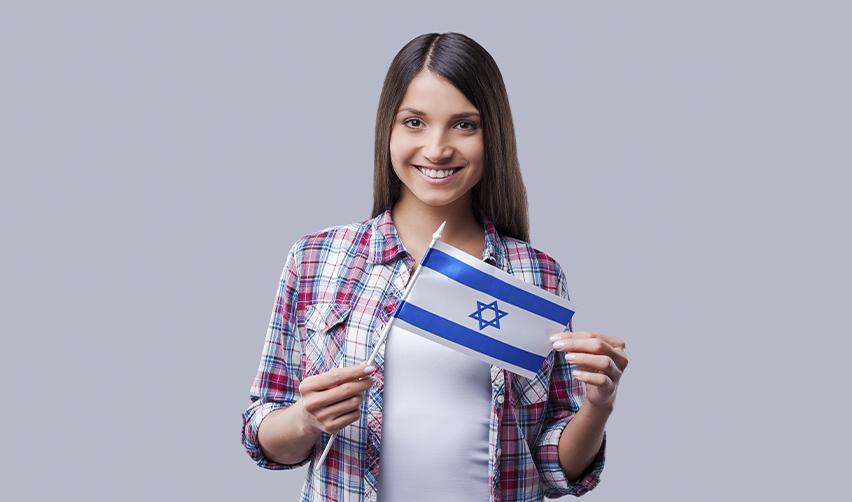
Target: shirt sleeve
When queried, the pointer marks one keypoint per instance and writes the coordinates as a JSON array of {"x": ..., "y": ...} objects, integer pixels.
[
  {"x": 276, "y": 384},
  {"x": 566, "y": 394}
]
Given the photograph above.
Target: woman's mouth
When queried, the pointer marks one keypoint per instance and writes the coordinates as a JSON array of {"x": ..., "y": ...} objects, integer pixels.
[{"x": 438, "y": 176}]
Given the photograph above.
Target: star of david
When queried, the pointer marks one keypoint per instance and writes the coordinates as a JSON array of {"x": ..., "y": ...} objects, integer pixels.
[{"x": 495, "y": 321}]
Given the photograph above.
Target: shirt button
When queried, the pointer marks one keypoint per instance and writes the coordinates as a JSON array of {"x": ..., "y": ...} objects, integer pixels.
[
  {"x": 500, "y": 399},
  {"x": 498, "y": 452}
]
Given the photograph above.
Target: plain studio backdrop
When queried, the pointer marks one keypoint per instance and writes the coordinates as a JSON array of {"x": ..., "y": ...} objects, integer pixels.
[{"x": 687, "y": 163}]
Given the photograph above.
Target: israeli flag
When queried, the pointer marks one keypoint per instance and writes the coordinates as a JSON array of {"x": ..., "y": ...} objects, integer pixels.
[{"x": 473, "y": 307}]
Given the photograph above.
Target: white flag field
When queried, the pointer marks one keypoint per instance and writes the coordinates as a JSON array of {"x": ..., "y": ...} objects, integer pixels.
[{"x": 478, "y": 309}]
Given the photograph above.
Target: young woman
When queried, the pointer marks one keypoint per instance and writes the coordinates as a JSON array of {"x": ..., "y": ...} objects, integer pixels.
[{"x": 431, "y": 423}]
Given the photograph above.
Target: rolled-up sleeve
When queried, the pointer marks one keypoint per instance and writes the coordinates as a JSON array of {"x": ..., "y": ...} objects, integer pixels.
[
  {"x": 276, "y": 384},
  {"x": 566, "y": 394}
]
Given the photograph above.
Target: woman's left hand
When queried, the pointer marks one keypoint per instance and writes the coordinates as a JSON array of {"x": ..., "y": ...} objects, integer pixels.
[{"x": 601, "y": 360}]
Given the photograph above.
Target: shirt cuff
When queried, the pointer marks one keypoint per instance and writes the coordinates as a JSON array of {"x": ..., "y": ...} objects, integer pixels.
[
  {"x": 251, "y": 424},
  {"x": 554, "y": 481}
]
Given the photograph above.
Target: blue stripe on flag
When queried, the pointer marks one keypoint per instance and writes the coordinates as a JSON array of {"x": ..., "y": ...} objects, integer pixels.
[
  {"x": 467, "y": 337},
  {"x": 474, "y": 278}
]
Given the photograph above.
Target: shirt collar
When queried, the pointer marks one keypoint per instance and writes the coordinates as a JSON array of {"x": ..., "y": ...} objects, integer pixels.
[{"x": 385, "y": 244}]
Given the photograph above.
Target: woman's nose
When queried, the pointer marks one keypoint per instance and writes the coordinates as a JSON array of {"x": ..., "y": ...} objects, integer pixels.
[{"x": 436, "y": 148}]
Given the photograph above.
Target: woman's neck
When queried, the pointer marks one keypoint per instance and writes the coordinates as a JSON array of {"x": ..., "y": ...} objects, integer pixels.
[{"x": 415, "y": 223}]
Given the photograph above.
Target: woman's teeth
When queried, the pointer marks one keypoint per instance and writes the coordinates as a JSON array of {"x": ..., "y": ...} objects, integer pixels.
[{"x": 437, "y": 173}]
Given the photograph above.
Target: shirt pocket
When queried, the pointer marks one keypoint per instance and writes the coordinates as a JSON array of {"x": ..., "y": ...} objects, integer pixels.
[
  {"x": 531, "y": 391},
  {"x": 531, "y": 400},
  {"x": 325, "y": 341}
]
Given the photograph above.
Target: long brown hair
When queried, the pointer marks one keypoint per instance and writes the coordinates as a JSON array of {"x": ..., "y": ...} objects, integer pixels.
[{"x": 500, "y": 194}]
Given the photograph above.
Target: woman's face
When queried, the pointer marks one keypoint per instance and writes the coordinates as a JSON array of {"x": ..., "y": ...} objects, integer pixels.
[{"x": 436, "y": 127}]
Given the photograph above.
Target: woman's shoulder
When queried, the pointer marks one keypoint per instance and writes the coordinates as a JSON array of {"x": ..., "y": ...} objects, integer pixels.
[
  {"x": 333, "y": 238},
  {"x": 522, "y": 253},
  {"x": 536, "y": 264}
]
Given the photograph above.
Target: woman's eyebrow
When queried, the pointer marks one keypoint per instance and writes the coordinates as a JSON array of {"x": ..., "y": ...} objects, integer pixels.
[{"x": 453, "y": 116}]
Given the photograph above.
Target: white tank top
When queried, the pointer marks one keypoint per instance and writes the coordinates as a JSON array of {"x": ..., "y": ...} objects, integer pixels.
[{"x": 435, "y": 416}]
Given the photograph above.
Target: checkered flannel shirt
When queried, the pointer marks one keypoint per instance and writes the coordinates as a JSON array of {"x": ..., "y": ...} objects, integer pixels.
[{"x": 338, "y": 288}]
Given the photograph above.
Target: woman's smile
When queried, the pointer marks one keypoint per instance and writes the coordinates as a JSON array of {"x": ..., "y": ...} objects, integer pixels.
[{"x": 439, "y": 176}]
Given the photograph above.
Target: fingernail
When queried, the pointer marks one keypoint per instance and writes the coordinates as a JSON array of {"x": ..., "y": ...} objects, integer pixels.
[
  {"x": 570, "y": 356},
  {"x": 554, "y": 338},
  {"x": 369, "y": 369},
  {"x": 559, "y": 344},
  {"x": 578, "y": 373}
]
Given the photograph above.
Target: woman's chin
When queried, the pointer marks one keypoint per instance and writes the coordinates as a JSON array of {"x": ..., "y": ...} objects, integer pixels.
[{"x": 436, "y": 200}]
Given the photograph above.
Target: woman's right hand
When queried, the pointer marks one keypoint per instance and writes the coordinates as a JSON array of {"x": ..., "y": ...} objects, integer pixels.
[{"x": 332, "y": 400}]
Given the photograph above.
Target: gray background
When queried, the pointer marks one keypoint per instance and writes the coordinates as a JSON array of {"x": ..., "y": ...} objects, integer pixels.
[{"x": 686, "y": 162}]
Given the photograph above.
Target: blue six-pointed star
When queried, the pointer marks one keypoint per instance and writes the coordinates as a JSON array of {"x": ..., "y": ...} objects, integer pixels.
[{"x": 494, "y": 321}]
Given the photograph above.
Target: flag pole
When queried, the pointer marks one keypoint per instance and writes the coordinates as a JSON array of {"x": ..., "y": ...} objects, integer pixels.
[{"x": 386, "y": 329}]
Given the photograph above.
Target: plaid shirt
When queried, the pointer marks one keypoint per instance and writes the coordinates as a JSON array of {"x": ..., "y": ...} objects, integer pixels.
[{"x": 338, "y": 288}]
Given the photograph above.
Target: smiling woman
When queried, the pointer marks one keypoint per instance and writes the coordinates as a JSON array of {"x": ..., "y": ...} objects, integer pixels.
[{"x": 444, "y": 151}]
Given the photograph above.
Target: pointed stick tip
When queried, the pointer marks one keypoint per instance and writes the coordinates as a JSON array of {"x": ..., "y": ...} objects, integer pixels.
[{"x": 437, "y": 234}]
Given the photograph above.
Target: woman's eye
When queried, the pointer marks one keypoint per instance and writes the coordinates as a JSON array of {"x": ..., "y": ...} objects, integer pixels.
[{"x": 416, "y": 123}]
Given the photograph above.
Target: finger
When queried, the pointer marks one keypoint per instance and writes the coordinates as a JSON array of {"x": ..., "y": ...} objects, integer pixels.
[
  {"x": 345, "y": 391},
  {"x": 591, "y": 378},
  {"x": 344, "y": 420},
  {"x": 335, "y": 377},
  {"x": 340, "y": 408},
  {"x": 613, "y": 342},
  {"x": 624, "y": 355},
  {"x": 568, "y": 335},
  {"x": 595, "y": 363},
  {"x": 592, "y": 346},
  {"x": 316, "y": 401}
]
